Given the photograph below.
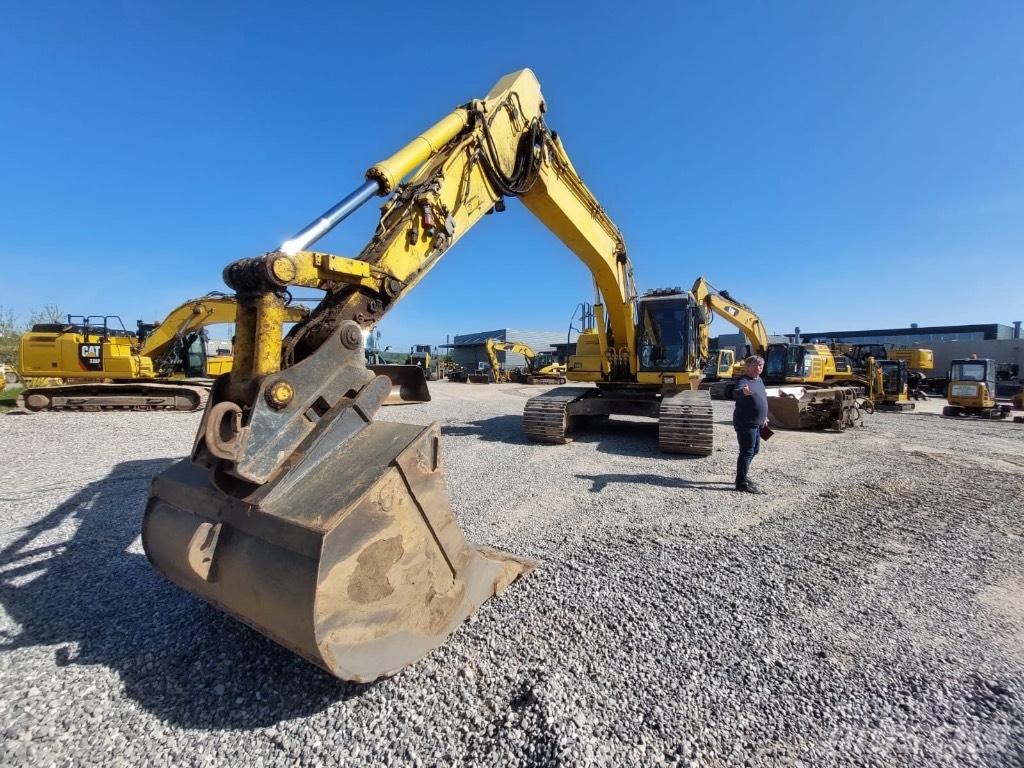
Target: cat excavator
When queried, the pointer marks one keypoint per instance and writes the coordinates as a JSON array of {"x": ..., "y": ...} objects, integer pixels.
[
  {"x": 330, "y": 532},
  {"x": 102, "y": 366},
  {"x": 804, "y": 402},
  {"x": 540, "y": 369},
  {"x": 723, "y": 369}
]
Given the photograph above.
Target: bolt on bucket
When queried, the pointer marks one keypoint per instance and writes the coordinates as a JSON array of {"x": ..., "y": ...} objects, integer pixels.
[{"x": 351, "y": 558}]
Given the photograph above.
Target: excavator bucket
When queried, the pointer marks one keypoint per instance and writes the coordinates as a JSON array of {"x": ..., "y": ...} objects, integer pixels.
[
  {"x": 408, "y": 384},
  {"x": 805, "y": 408},
  {"x": 349, "y": 554}
]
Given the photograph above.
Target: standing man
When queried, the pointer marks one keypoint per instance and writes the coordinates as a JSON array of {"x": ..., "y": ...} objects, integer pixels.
[{"x": 750, "y": 415}]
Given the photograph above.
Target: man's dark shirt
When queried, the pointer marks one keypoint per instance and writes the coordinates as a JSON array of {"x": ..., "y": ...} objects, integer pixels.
[{"x": 751, "y": 410}]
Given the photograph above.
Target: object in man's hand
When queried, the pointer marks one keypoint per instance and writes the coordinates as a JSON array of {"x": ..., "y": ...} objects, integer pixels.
[{"x": 766, "y": 432}]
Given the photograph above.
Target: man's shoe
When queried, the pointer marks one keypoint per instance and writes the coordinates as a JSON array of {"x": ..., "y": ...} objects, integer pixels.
[{"x": 748, "y": 487}]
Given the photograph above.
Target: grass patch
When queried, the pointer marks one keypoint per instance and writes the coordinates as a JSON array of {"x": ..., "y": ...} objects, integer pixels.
[{"x": 9, "y": 397}]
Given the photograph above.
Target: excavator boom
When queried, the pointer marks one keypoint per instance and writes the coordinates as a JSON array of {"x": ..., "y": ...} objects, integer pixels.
[{"x": 330, "y": 532}]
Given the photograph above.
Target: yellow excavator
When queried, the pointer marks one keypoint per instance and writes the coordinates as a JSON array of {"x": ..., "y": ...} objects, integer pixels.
[
  {"x": 332, "y": 533},
  {"x": 809, "y": 363},
  {"x": 805, "y": 401},
  {"x": 723, "y": 368},
  {"x": 541, "y": 368},
  {"x": 971, "y": 391},
  {"x": 888, "y": 387},
  {"x": 101, "y": 366},
  {"x": 893, "y": 364}
]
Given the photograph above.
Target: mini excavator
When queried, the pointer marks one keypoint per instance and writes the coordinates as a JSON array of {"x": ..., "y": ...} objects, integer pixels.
[{"x": 332, "y": 533}]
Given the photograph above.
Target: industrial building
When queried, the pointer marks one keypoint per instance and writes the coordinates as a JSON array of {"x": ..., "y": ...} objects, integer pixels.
[
  {"x": 1002, "y": 343},
  {"x": 468, "y": 349},
  {"x": 919, "y": 336}
]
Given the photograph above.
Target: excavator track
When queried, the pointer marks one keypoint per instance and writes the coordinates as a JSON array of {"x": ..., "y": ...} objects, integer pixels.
[
  {"x": 183, "y": 397},
  {"x": 546, "y": 418},
  {"x": 542, "y": 379},
  {"x": 686, "y": 423}
]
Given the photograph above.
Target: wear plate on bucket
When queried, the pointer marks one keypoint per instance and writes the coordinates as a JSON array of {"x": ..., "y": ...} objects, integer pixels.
[{"x": 356, "y": 562}]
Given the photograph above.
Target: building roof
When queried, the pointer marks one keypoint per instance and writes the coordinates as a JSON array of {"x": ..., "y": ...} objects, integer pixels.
[
  {"x": 539, "y": 340},
  {"x": 991, "y": 330}
]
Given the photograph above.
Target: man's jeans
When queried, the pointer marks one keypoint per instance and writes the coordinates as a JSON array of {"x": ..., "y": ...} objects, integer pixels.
[{"x": 750, "y": 440}]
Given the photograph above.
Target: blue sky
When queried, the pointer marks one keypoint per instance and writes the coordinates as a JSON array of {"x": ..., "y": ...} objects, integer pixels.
[{"x": 839, "y": 166}]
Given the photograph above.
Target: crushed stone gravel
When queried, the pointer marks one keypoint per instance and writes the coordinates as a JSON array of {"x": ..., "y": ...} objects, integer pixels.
[{"x": 867, "y": 611}]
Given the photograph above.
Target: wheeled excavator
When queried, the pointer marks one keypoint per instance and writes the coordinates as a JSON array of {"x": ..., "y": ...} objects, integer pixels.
[
  {"x": 102, "y": 366},
  {"x": 332, "y": 533},
  {"x": 540, "y": 369}
]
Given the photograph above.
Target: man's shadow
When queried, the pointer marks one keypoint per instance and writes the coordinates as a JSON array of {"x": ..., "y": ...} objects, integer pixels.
[
  {"x": 600, "y": 482},
  {"x": 68, "y": 581}
]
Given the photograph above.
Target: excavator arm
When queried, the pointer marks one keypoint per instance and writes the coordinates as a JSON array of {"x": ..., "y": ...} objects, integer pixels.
[
  {"x": 196, "y": 314},
  {"x": 465, "y": 165},
  {"x": 740, "y": 315},
  {"x": 328, "y": 531},
  {"x": 493, "y": 346}
]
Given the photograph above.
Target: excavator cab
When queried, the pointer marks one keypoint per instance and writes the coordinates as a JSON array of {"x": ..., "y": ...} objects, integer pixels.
[
  {"x": 667, "y": 332},
  {"x": 788, "y": 362},
  {"x": 894, "y": 379},
  {"x": 720, "y": 365},
  {"x": 972, "y": 389}
]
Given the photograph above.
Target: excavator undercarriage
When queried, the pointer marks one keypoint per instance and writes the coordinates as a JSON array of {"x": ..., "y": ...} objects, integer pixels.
[
  {"x": 153, "y": 395},
  {"x": 685, "y": 418}
]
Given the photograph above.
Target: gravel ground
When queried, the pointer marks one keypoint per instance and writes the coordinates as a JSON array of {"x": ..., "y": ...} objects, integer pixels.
[{"x": 868, "y": 611}]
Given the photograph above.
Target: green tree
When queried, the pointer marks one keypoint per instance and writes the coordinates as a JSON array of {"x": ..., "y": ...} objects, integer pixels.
[
  {"x": 49, "y": 314},
  {"x": 9, "y": 333}
]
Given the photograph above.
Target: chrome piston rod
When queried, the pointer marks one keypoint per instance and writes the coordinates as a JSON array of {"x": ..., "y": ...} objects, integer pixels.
[{"x": 330, "y": 218}]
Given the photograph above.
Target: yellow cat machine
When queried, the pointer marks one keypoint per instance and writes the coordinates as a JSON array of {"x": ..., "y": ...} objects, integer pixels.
[
  {"x": 808, "y": 364},
  {"x": 723, "y": 369},
  {"x": 541, "y": 368},
  {"x": 332, "y": 533},
  {"x": 811, "y": 395},
  {"x": 918, "y": 363},
  {"x": 888, "y": 387},
  {"x": 811, "y": 388},
  {"x": 102, "y": 366},
  {"x": 972, "y": 390}
]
